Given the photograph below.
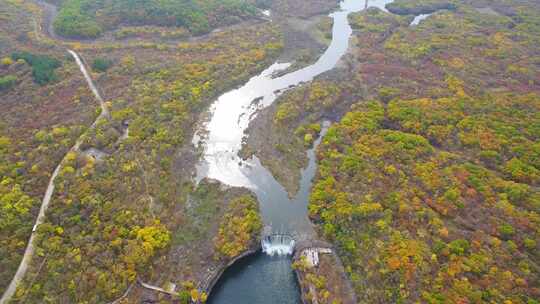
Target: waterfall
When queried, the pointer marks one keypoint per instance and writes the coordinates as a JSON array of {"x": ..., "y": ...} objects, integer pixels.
[{"x": 278, "y": 244}]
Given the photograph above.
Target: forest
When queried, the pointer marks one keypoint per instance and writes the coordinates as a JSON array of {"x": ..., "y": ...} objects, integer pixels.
[
  {"x": 45, "y": 106},
  {"x": 405, "y": 7},
  {"x": 42, "y": 66},
  {"x": 429, "y": 188},
  {"x": 412, "y": 203},
  {"x": 428, "y": 178},
  {"x": 125, "y": 215},
  {"x": 90, "y": 18},
  {"x": 239, "y": 227}
]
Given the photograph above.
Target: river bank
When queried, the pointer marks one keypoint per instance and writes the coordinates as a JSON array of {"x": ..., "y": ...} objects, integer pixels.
[
  {"x": 426, "y": 187},
  {"x": 194, "y": 263},
  {"x": 321, "y": 274},
  {"x": 152, "y": 204},
  {"x": 150, "y": 185},
  {"x": 380, "y": 168},
  {"x": 114, "y": 83},
  {"x": 280, "y": 142},
  {"x": 222, "y": 138}
]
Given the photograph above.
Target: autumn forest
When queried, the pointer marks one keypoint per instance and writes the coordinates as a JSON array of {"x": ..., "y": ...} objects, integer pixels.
[{"x": 426, "y": 179}]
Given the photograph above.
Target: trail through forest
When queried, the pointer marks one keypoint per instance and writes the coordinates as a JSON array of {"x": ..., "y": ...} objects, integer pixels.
[{"x": 30, "y": 248}]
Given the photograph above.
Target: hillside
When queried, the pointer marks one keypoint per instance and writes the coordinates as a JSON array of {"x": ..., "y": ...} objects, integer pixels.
[
  {"x": 122, "y": 197},
  {"x": 428, "y": 182},
  {"x": 89, "y": 19},
  {"x": 45, "y": 107}
]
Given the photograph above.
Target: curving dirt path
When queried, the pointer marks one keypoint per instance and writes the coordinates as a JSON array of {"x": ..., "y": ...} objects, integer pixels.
[
  {"x": 29, "y": 252},
  {"x": 49, "y": 14},
  {"x": 30, "y": 248},
  {"x": 104, "y": 109}
]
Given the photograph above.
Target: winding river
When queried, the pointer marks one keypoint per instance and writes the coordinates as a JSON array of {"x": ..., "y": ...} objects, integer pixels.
[{"x": 266, "y": 277}]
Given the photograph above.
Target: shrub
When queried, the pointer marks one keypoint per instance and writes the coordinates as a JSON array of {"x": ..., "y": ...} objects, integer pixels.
[
  {"x": 43, "y": 66},
  {"x": 459, "y": 246},
  {"x": 184, "y": 296},
  {"x": 101, "y": 64},
  {"x": 7, "y": 82},
  {"x": 506, "y": 231},
  {"x": 386, "y": 93},
  {"x": 521, "y": 171},
  {"x": 73, "y": 20},
  {"x": 6, "y": 61},
  {"x": 308, "y": 139},
  {"x": 530, "y": 243},
  {"x": 5, "y": 143}
]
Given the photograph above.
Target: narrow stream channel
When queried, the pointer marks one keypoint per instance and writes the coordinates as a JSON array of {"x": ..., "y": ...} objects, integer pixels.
[
  {"x": 419, "y": 18},
  {"x": 266, "y": 277}
]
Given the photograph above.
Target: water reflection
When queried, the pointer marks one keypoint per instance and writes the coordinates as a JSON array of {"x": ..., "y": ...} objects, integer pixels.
[
  {"x": 232, "y": 112},
  {"x": 264, "y": 279},
  {"x": 258, "y": 279}
]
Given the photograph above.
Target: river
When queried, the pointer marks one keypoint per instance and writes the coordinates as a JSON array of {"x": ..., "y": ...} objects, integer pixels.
[{"x": 266, "y": 278}]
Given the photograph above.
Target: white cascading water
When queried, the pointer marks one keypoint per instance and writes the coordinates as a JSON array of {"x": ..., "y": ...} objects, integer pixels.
[{"x": 278, "y": 244}]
